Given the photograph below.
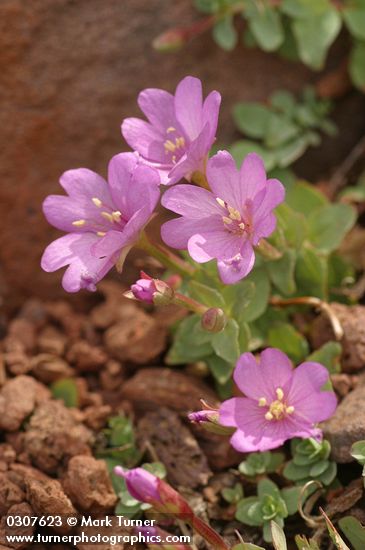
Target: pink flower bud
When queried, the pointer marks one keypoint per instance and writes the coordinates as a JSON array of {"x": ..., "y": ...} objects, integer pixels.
[
  {"x": 209, "y": 420},
  {"x": 144, "y": 290},
  {"x": 142, "y": 485},
  {"x": 214, "y": 320}
]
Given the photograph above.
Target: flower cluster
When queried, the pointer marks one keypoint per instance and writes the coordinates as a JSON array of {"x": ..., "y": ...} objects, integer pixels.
[
  {"x": 223, "y": 220},
  {"x": 223, "y": 213}
]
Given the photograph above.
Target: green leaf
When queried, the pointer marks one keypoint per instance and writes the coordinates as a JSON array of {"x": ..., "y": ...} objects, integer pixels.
[
  {"x": 304, "y": 544},
  {"x": 294, "y": 472},
  {"x": 237, "y": 297},
  {"x": 290, "y": 152},
  {"x": 329, "y": 225},
  {"x": 224, "y": 33},
  {"x": 259, "y": 301},
  {"x": 210, "y": 297},
  {"x": 207, "y": 6},
  {"x": 335, "y": 536},
  {"x": 314, "y": 36},
  {"x": 329, "y": 475},
  {"x": 311, "y": 274},
  {"x": 278, "y": 536},
  {"x": 66, "y": 389},
  {"x": 240, "y": 149},
  {"x": 280, "y": 129},
  {"x": 291, "y": 227},
  {"x": 291, "y": 497},
  {"x": 328, "y": 355},
  {"x": 191, "y": 342},
  {"x": 244, "y": 337},
  {"x": 282, "y": 272},
  {"x": 357, "y": 65},
  {"x": 304, "y": 8},
  {"x": 354, "y": 532},
  {"x": 267, "y": 487},
  {"x": 283, "y": 101},
  {"x": 289, "y": 340},
  {"x": 251, "y": 118},
  {"x": 233, "y": 494},
  {"x": 220, "y": 369},
  {"x": 225, "y": 343},
  {"x": 244, "y": 512},
  {"x": 305, "y": 198},
  {"x": 266, "y": 27},
  {"x": 358, "y": 451},
  {"x": 354, "y": 17}
]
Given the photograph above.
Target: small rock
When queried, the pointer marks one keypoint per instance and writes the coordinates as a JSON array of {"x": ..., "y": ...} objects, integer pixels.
[
  {"x": 18, "y": 397},
  {"x": 163, "y": 387},
  {"x": 95, "y": 417},
  {"x": 48, "y": 498},
  {"x": 22, "y": 509},
  {"x": 85, "y": 357},
  {"x": 48, "y": 368},
  {"x": 7, "y": 453},
  {"x": 51, "y": 340},
  {"x": 20, "y": 473},
  {"x": 112, "y": 376},
  {"x": 23, "y": 331},
  {"x": 88, "y": 485},
  {"x": 53, "y": 435},
  {"x": 347, "y": 425},
  {"x": 175, "y": 447},
  {"x": 10, "y": 493},
  {"x": 352, "y": 319},
  {"x": 343, "y": 383},
  {"x": 138, "y": 340}
]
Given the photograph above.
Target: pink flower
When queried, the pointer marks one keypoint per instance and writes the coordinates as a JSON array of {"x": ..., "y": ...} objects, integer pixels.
[
  {"x": 102, "y": 220},
  {"x": 180, "y": 129},
  {"x": 228, "y": 221},
  {"x": 142, "y": 485},
  {"x": 280, "y": 403},
  {"x": 144, "y": 289}
]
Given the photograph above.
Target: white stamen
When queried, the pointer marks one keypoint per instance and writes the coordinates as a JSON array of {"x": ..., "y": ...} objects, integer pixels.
[
  {"x": 101, "y": 233},
  {"x": 233, "y": 213},
  {"x": 269, "y": 416},
  {"x": 97, "y": 202},
  {"x": 220, "y": 202},
  {"x": 170, "y": 129},
  {"x": 107, "y": 216},
  {"x": 280, "y": 394},
  {"x": 116, "y": 215},
  {"x": 227, "y": 220},
  {"x": 79, "y": 223},
  {"x": 290, "y": 409},
  {"x": 262, "y": 402}
]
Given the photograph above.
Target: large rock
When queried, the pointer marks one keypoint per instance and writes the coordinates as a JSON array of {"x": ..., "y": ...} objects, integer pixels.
[
  {"x": 70, "y": 73},
  {"x": 347, "y": 425}
]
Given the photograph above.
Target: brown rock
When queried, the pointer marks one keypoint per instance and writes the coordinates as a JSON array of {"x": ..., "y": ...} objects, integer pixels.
[
  {"x": 53, "y": 435},
  {"x": 7, "y": 453},
  {"x": 347, "y": 425},
  {"x": 20, "y": 474},
  {"x": 9, "y": 493},
  {"x": 23, "y": 331},
  {"x": 159, "y": 387},
  {"x": 88, "y": 485},
  {"x": 22, "y": 509},
  {"x": 95, "y": 417},
  {"x": 18, "y": 398},
  {"x": 217, "y": 448},
  {"x": 51, "y": 340},
  {"x": 352, "y": 319},
  {"x": 48, "y": 368},
  {"x": 86, "y": 357},
  {"x": 343, "y": 383},
  {"x": 47, "y": 498},
  {"x": 139, "y": 339},
  {"x": 175, "y": 447},
  {"x": 112, "y": 376}
]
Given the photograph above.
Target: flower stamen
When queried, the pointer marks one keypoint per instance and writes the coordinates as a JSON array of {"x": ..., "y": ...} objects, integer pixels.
[
  {"x": 262, "y": 402},
  {"x": 279, "y": 393},
  {"x": 170, "y": 129},
  {"x": 97, "y": 202},
  {"x": 79, "y": 223}
]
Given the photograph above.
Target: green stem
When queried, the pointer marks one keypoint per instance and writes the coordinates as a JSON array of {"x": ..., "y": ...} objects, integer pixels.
[
  {"x": 189, "y": 303},
  {"x": 165, "y": 256}
]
